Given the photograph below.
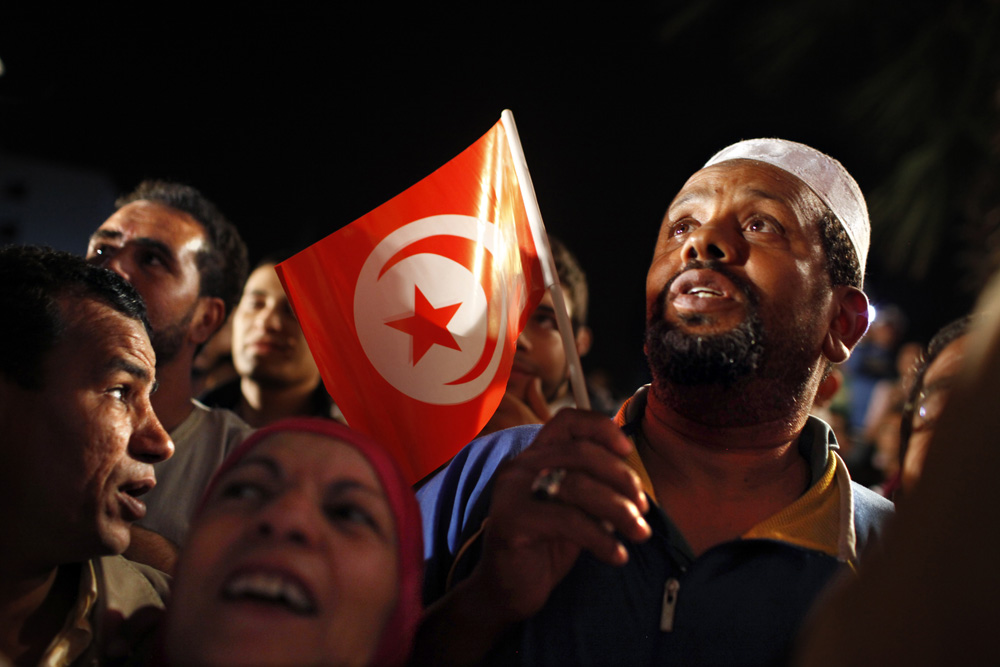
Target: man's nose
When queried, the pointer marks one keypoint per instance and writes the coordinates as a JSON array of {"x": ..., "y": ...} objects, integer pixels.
[
  {"x": 270, "y": 319},
  {"x": 716, "y": 240},
  {"x": 523, "y": 342},
  {"x": 150, "y": 441},
  {"x": 118, "y": 263},
  {"x": 292, "y": 516}
]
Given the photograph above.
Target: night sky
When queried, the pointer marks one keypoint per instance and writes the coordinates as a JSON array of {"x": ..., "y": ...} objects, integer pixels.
[{"x": 296, "y": 123}]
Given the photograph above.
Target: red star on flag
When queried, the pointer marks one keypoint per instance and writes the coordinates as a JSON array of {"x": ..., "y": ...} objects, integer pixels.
[{"x": 428, "y": 325}]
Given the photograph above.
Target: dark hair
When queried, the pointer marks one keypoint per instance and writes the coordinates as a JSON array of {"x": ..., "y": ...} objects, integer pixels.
[
  {"x": 841, "y": 257},
  {"x": 572, "y": 277},
  {"x": 223, "y": 264},
  {"x": 942, "y": 339},
  {"x": 34, "y": 280}
]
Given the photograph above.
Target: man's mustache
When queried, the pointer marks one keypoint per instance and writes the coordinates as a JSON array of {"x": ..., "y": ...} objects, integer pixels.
[{"x": 741, "y": 283}]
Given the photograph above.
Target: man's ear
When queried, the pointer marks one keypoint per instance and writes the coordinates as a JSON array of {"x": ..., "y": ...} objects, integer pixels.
[
  {"x": 584, "y": 337},
  {"x": 209, "y": 315},
  {"x": 849, "y": 323}
]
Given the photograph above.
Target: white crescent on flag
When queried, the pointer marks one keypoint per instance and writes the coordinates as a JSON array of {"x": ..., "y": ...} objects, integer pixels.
[{"x": 426, "y": 321}]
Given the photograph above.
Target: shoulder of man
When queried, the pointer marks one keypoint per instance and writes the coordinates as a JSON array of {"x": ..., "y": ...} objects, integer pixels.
[
  {"x": 217, "y": 427},
  {"x": 456, "y": 500},
  {"x": 131, "y": 598},
  {"x": 872, "y": 513},
  {"x": 127, "y": 585}
]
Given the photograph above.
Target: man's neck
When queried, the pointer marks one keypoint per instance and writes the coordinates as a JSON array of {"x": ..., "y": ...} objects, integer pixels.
[
  {"x": 262, "y": 404},
  {"x": 33, "y": 609},
  {"x": 718, "y": 482},
  {"x": 172, "y": 400}
]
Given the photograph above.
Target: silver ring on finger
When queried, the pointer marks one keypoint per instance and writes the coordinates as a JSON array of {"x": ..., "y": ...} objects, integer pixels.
[{"x": 546, "y": 484}]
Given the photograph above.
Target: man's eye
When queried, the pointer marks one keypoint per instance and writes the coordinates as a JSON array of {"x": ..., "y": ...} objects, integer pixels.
[
  {"x": 100, "y": 253},
  {"x": 681, "y": 228},
  {"x": 763, "y": 225},
  {"x": 545, "y": 321},
  {"x": 120, "y": 392},
  {"x": 151, "y": 259}
]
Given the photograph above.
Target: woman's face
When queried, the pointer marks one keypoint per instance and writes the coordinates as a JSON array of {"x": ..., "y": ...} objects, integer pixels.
[{"x": 293, "y": 560}]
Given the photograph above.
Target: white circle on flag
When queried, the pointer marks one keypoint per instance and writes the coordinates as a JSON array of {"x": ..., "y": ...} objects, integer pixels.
[{"x": 443, "y": 281}]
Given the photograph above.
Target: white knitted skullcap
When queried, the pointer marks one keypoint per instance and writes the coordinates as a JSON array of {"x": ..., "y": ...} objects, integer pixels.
[{"x": 824, "y": 175}]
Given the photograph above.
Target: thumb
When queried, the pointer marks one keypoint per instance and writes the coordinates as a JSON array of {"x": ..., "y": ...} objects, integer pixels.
[{"x": 536, "y": 400}]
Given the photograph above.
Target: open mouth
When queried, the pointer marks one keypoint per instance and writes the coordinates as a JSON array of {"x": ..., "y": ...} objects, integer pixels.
[
  {"x": 129, "y": 494},
  {"x": 704, "y": 292},
  {"x": 270, "y": 588}
]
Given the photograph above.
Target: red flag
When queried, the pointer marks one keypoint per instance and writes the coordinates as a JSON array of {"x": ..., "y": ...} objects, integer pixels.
[{"x": 412, "y": 312}]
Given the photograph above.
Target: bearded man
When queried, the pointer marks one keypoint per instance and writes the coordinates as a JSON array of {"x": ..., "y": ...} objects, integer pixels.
[
  {"x": 188, "y": 263},
  {"x": 698, "y": 528}
]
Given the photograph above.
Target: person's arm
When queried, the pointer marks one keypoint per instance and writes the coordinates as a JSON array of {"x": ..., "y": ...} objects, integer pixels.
[
  {"x": 530, "y": 544},
  {"x": 151, "y": 548}
]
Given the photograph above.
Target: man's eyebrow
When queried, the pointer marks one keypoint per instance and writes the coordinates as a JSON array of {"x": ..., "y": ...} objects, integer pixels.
[
  {"x": 691, "y": 195},
  {"x": 106, "y": 234},
  {"x": 154, "y": 244},
  {"x": 144, "y": 241},
  {"x": 120, "y": 364}
]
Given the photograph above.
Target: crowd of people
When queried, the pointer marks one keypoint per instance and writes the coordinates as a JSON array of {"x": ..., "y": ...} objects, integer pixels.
[{"x": 183, "y": 490}]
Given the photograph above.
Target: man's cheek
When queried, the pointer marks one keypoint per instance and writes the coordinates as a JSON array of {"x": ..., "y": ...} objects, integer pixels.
[{"x": 517, "y": 385}]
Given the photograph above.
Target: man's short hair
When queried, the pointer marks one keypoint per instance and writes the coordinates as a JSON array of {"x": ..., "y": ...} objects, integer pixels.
[
  {"x": 222, "y": 265},
  {"x": 572, "y": 277},
  {"x": 841, "y": 257},
  {"x": 34, "y": 280}
]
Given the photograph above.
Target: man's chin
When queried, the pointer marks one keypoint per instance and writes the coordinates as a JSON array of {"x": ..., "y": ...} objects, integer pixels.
[
  {"x": 704, "y": 353},
  {"x": 517, "y": 384},
  {"x": 115, "y": 539}
]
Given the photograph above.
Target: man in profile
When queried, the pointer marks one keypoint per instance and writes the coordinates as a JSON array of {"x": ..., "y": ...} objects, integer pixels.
[
  {"x": 78, "y": 440},
  {"x": 700, "y": 525},
  {"x": 189, "y": 264}
]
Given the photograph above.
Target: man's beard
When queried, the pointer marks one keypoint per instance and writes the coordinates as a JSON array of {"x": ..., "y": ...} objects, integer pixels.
[
  {"x": 168, "y": 341},
  {"x": 681, "y": 358},
  {"x": 745, "y": 375}
]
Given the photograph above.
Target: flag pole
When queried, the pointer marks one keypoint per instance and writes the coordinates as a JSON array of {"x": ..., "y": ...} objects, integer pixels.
[{"x": 549, "y": 273}]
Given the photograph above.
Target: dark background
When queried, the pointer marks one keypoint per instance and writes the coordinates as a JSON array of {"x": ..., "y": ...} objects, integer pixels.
[{"x": 296, "y": 122}]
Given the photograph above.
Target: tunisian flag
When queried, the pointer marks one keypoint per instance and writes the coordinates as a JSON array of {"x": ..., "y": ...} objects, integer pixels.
[{"x": 412, "y": 311}]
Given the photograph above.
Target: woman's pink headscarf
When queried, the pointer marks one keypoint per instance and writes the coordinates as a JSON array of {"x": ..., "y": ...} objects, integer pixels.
[{"x": 397, "y": 637}]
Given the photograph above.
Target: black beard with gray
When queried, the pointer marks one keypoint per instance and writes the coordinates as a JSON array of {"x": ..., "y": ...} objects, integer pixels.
[
  {"x": 737, "y": 377},
  {"x": 724, "y": 359}
]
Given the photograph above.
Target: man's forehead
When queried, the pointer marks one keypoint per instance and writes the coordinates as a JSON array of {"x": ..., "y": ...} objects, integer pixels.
[
  {"x": 104, "y": 332},
  {"x": 745, "y": 178},
  {"x": 152, "y": 221}
]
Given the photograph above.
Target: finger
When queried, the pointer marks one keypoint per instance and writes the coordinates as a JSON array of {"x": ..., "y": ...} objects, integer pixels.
[
  {"x": 599, "y": 502},
  {"x": 526, "y": 522},
  {"x": 536, "y": 400},
  {"x": 573, "y": 424},
  {"x": 611, "y": 507},
  {"x": 588, "y": 458}
]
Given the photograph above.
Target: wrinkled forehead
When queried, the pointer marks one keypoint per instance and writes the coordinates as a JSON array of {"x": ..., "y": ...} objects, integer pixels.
[
  {"x": 152, "y": 222},
  {"x": 748, "y": 179}
]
